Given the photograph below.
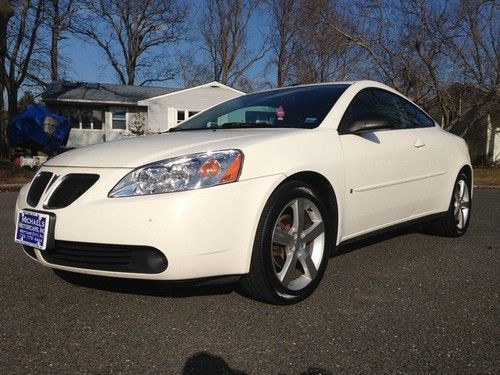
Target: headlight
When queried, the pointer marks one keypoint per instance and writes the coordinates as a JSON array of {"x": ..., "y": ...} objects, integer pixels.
[{"x": 182, "y": 173}]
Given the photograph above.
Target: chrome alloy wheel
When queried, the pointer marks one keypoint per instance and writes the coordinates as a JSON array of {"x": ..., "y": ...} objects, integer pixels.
[
  {"x": 461, "y": 204},
  {"x": 298, "y": 244}
]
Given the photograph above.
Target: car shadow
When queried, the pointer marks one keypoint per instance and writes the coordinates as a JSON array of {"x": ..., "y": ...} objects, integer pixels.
[
  {"x": 378, "y": 238},
  {"x": 145, "y": 287},
  {"x": 206, "y": 363},
  {"x": 208, "y": 286}
]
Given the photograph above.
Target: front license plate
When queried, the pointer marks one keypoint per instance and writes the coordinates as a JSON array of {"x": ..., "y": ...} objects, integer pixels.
[{"x": 32, "y": 229}]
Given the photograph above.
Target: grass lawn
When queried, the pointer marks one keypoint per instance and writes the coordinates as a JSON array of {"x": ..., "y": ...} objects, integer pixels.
[
  {"x": 487, "y": 176},
  {"x": 9, "y": 174}
]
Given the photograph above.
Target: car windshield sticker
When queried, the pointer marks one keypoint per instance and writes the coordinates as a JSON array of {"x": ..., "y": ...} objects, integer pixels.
[{"x": 280, "y": 112}]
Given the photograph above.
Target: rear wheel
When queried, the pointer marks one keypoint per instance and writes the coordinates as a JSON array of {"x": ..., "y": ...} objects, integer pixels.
[
  {"x": 456, "y": 221},
  {"x": 290, "y": 251}
]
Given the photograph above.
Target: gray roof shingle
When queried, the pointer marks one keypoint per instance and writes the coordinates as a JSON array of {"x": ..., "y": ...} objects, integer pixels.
[{"x": 101, "y": 92}]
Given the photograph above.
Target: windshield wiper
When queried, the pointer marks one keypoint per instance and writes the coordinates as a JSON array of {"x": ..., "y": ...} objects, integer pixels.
[
  {"x": 227, "y": 125},
  {"x": 243, "y": 125}
]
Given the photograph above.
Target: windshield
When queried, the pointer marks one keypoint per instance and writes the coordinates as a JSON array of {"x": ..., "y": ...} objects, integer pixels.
[{"x": 294, "y": 107}]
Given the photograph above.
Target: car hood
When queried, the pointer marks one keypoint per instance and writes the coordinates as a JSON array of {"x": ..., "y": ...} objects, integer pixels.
[{"x": 135, "y": 152}]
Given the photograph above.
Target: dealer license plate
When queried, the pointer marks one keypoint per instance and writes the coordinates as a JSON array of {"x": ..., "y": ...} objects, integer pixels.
[{"x": 32, "y": 229}]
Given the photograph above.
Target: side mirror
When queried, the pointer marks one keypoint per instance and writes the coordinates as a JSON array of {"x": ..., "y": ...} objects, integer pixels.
[{"x": 369, "y": 124}]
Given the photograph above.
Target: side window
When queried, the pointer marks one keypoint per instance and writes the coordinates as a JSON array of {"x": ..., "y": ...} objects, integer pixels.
[
  {"x": 373, "y": 103},
  {"x": 416, "y": 117},
  {"x": 377, "y": 103}
]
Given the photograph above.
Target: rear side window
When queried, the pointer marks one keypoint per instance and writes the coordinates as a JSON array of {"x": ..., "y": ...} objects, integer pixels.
[{"x": 370, "y": 103}]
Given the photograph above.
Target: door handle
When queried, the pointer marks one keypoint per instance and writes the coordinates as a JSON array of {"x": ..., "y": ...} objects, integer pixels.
[{"x": 419, "y": 143}]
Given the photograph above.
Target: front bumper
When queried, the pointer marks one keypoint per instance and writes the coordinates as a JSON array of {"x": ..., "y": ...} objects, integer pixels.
[{"x": 202, "y": 233}]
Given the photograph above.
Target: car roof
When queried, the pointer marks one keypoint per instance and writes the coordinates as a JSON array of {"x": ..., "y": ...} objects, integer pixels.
[{"x": 359, "y": 83}]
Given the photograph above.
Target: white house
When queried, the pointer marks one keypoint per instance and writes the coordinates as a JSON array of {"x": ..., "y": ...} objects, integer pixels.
[
  {"x": 168, "y": 110},
  {"x": 100, "y": 112}
]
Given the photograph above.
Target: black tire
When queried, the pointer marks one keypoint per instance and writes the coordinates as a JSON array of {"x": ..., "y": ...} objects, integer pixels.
[
  {"x": 448, "y": 225},
  {"x": 262, "y": 281}
]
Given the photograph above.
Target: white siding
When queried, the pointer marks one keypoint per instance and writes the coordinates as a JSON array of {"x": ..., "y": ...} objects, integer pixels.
[
  {"x": 172, "y": 117},
  {"x": 158, "y": 116},
  {"x": 84, "y": 137},
  {"x": 496, "y": 146},
  {"x": 162, "y": 111}
]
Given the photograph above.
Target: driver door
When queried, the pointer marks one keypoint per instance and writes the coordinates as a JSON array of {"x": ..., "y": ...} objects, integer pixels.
[{"x": 386, "y": 175}]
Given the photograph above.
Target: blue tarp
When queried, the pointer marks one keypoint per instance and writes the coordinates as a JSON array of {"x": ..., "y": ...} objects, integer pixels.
[{"x": 27, "y": 130}]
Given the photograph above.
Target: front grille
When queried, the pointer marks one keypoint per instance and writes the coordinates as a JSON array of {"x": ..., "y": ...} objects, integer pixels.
[
  {"x": 71, "y": 187},
  {"x": 37, "y": 188},
  {"x": 118, "y": 258}
]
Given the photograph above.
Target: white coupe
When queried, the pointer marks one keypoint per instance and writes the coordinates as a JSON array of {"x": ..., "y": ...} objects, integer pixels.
[{"x": 262, "y": 188}]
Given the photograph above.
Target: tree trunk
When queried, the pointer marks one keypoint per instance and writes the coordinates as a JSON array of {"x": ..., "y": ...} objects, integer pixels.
[
  {"x": 5, "y": 15},
  {"x": 54, "y": 52},
  {"x": 56, "y": 33},
  {"x": 12, "y": 100},
  {"x": 280, "y": 68}
]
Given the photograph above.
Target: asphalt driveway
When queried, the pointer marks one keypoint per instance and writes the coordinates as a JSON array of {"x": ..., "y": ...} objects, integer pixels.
[{"x": 402, "y": 303}]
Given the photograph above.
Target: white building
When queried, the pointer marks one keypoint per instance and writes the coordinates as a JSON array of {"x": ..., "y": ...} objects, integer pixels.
[{"x": 101, "y": 112}]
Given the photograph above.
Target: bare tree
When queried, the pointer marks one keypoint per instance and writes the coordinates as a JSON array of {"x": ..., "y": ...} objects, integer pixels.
[
  {"x": 428, "y": 30},
  {"x": 476, "y": 45},
  {"x": 402, "y": 43},
  {"x": 424, "y": 49},
  {"x": 283, "y": 34},
  {"x": 322, "y": 54},
  {"x": 405, "y": 45},
  {"x": 6, "y": 12},
  {"x": 131, "y": 35},
  {"x": 378, "y": 34},
  {"x": 225, "y": 40},
  {"x": 192, "y": 73},
  {"x": 23, "y": 47},
  {"x": 454, "y": 44},
  {"x": 60, "y": 14}
]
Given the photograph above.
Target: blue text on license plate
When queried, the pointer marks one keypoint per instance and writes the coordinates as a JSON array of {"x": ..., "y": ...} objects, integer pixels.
[{"x": 32, "y": 229}]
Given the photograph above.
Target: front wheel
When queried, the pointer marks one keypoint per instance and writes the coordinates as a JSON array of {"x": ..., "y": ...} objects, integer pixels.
[{"x": 290, "y": 250}]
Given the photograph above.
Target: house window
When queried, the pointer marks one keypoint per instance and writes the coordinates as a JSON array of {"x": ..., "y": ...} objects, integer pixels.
[
  {"x": 97, "y": 119},
  {"x": 119, "y": 118},
  {"x": 192, "y": 113},
  {"x": 73, "y": 117},
  {"x": 181, "y": 116},
  {"x": 85, "y": 117}
]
